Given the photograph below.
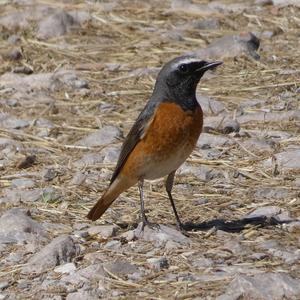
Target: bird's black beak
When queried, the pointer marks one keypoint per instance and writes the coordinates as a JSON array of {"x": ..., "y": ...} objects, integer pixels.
[{"x": 209, "y": 65}]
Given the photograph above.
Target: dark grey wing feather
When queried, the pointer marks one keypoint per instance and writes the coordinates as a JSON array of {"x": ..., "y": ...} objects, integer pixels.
[{"x": 135, "y": 134}]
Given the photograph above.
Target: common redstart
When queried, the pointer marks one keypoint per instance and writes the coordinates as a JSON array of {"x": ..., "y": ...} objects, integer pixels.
[{"x": 163, "y": 136}]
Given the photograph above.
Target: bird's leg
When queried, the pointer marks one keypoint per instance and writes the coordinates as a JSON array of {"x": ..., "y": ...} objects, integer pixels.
[
  {"x": 143, "y": 215},
  {"x": 169, "y": 186}
]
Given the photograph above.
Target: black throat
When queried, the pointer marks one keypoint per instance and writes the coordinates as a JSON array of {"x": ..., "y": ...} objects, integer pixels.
[{"x": 183, "y": 95}]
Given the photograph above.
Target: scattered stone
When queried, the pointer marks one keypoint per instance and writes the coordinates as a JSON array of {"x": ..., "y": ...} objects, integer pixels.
[
  {"x": 14, "y": 21},
  {"x": 220, "y": 124},
  {"x": 271, "y": 193},
  {"x": 267, "y": 211},
  {"x": 286, "y": 160},
  {"x": 293, "y": 227},
  {"x": 66, "y": 268},
  {"x": 27, "y": 162},
  {"x": 269, "y": 117},
  {"x": 265, "y": 286},
  {"x": 111, "y": 154},
  {"x": 4, "y": 285},
  {"x": 67, "y": 78},
  {"x": 78, "y": 179},
  {"x": 16, "y": 226},
  {"x": 113, "y": 245},
  {"x": 161, "y": 235},
  {"x": 206, "y": 24},
  {"x": 49, "y": 174},
  {"x": 56, "y": 25},
  {"x": 61, "y": 250},
  {"x": 158, "y": 264},
  {"x": 23, "y": 70},
  {"x": 231, "y": 46},
  {"x": 258, "y": 145},
  {"x": 121, "y": 267},
  {"x": 22, "y": 183},
  {"x": 202, "y": 263},
  {"x": 40, "y": 82},
  {"x": 17, "y": 196},
  {"x": 82, "y": 295},
  {"x": 201, "y": 172},
  {"x": 11, "y": 122},
  {"x": 283, "y": 3},
  {"x": 104, "y": 136},
  {"x": 89, "y": 159},
  {"x": 210, "y": 106},
  {"x": 105, "y": 231},
  {"x": 208, "y": 140}
]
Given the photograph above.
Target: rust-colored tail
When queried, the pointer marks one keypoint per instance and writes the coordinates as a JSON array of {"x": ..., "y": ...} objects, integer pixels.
[
  {"x": 101, "y": 206},
  {"x": 113, "y": 192}
]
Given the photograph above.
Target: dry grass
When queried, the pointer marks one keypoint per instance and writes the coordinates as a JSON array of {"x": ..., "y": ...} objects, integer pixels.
[{"x": 131, "y": 36}]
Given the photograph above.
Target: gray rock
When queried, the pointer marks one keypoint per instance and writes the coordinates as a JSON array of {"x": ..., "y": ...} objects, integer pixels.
[
  {"x": 26, "y": 83},
  {"x": 62, "y": 78},
  {"x": 202, "y": 263},
  {"x": 283, "y": 3},
  {"x": 158, "y": 263},
  {"x": 220, "y": 124},
  {"x": 22, "y": 183},
  {"x": 67, "y": 78},
  {"x": 111, "y": 154},
  {"x": 258, "y": 145},
  {"x": 286, "y": 160},
  {"x": 82, "y": 295},
  {"x": 184, "y": 6},
  {"x": 293, "y": 227},
  {"x": 206, "y": 24},
  {"x": 121, "y": 267},
  {"x": 269, "y": 116},
  {"x": 105, "y": 231},
  {"x": 202, "y": 172},
  {"x": 89, "y": 159},
  {"x": 16, "y": 226},
  {"x": 17, "y": 196},
  {"x": 288, "y": 256},
  {"x": 208, "y": 140},
  {"x": 56, "y": 25},
  {"x": 271, "y": 193},
  {"x": 231, "y": 46},
  {"x": 14, "y": 21},
  {"x": 101, "y": 137},
  {"x": 4, "y": 285},
  {"x": 210, "y": 106},
  {"x": 161, "y": 235},
  {"x": 94, "y": 272},
  {"x": 210, "y": 154},
  {"x": 265, "y": 286},
  {"x": 11, "y": 122},
  {"x": 61, "y": 250},
  {"x": 78, "y": 179},
  {"x": 66, "y": 268},
  {"x": 267, "y": 211}
]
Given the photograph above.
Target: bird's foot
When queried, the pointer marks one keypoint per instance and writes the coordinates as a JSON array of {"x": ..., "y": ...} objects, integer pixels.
[
  {"x": 180, "y": 227},
  {"x": 153, "y": 226}
]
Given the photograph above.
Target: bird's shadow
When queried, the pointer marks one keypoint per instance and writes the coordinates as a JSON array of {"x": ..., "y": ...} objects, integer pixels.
[{"x": 233, "y": 226}]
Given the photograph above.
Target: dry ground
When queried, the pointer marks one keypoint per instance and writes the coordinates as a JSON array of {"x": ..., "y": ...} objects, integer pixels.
[{"x": 109, "y": 50}]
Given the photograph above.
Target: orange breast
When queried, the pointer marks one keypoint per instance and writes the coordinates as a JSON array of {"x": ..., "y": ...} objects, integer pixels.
[{"x": 168, "y": 141}]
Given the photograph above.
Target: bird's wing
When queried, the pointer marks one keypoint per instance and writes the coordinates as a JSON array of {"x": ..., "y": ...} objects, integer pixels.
[{"x": 136, "y": 133}]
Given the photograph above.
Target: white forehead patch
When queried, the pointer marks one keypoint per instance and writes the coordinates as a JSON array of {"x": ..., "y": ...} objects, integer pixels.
[{"x": 186, "y": 60}]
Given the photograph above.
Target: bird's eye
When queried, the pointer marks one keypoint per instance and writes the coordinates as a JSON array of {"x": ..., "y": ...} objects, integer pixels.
[{"x": 183, "y": 68}]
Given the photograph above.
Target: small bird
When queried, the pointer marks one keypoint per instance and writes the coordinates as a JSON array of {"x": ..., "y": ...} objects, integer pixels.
[{"x": 163, "y": 136}]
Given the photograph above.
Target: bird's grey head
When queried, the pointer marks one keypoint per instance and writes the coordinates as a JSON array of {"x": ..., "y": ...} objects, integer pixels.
[{"x": 178, "y": 79}]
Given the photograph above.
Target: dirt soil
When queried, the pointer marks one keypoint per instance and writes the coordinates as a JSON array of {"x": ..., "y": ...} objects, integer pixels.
[{"x": 73, "y": 77}]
